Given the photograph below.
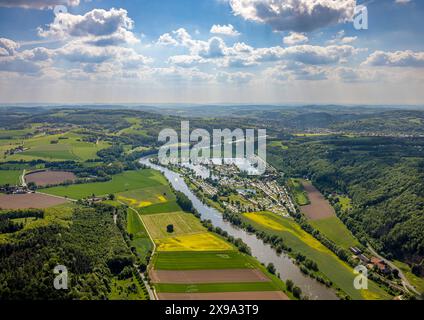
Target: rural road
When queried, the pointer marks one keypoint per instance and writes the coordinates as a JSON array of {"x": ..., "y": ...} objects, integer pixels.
[
  {"x": 406, "y": 284},
  {"x": 22, "y": 177}
]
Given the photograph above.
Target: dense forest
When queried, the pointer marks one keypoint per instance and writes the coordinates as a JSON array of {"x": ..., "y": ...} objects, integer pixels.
[
  {"x": 384, "y": 177},
  {"x": 92, "y": 249}
]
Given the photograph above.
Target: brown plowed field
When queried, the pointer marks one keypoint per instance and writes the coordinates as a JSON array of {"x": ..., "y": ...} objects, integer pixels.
[
  {"x": 319, "y": 208},
  {"x": 208, "y": 276},
  {"x": 44, "y": 178},
  {"x": 251, "y": 295},
  {"x": 28, "y": 201}
]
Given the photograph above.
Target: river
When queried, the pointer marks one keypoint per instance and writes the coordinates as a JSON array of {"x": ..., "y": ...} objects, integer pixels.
[{"x": 263, "y": 252}]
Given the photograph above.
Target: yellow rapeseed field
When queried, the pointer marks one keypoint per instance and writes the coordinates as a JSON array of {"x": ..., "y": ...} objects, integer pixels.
[
  {"x": 134, "y": 202},
  {"x": 205, "y": 241},
  {"x": 265, "y": 221}
]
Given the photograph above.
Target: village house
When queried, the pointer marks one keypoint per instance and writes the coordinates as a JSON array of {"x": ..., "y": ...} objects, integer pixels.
[{"x": 380, "y": 265}]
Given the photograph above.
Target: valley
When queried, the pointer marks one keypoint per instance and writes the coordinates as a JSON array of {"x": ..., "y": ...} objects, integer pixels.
[{"x": 184, "y": 232}]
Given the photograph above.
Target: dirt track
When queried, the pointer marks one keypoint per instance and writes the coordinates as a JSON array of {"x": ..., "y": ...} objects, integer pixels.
[
  {"x": 44, "y": 178},
  {"x": 259, "y": 295},
  {"x": 208, "y": 276},
  {"x": 319, "y": 208},
  {"x": 29, "y": 201}
]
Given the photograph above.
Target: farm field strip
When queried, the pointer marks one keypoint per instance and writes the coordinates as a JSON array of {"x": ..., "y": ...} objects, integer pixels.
[
  {"x": 241, "y": 295},
  {"x": 208, "y": 276},
  {"x": 216, "y": 287},
  {"x": 183, "y": 223},
  {"x": 322, "y": 216},
  {"x": 302, "y": 242},
  {"x": 44, "y": 178},
  {"x": 29, "y": 201},
  {"x": 170, "y": 206},
  {"x": 157, "y": 194},
  {"x": 186, "y": 260},
  {"x": 205, "y": 241},
  {"x": 319, "y": 207}
]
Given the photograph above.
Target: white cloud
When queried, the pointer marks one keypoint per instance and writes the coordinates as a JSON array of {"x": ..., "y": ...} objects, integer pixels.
[
  {"x": 28, "y": 62},
  {"x": 37, "y": 4},
  {"x": 234, "y": 77},
  {"x": 18, "y": 64},
  {"x": 241, "y": 55},
  {"x": 77, "y": 52},
  {"x": 348, "y": 39},
  {"x": 7, "y": 47},
  {"x": 177, "y": 74},
  {"x": 307, "y": 54},
  {"x": 406, "y": 58},
  {"x": 167, "y": 40},
  {"x": 296, "y": 71},
  {"x": 214, "y": 48},
  {"x": 356, "y": 75},
  {"x": 185, "y": 61},
  {"x": 340, "y": 38},
  {"x": 179, "y": 37},
  {"x": 402, "y": 1},
  {"x": 295, "y": 38},
  {"x": 227, "y": 30},
  {"x": 98, "y": 27},
  {"x": 295, "y": 15}
]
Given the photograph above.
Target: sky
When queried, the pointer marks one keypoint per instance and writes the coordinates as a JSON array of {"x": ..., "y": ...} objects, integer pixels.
[{"x": 212, "y": 51}]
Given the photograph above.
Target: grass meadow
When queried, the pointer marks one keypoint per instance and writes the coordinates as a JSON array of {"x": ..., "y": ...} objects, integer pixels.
[
  {"x": 189, "y": 260},
  {"x": 69, "y": 146},
  {"x": 336, "y": 231},
  {"x": 140, "y": 239},
  {"x": 128, "y": 180},
  {"x": 184, "y": 223},
  {"x": 10, "y": 177}
]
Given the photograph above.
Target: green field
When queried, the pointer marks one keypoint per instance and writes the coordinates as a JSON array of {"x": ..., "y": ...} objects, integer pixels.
[
  {"x": 299, "y": 193},
  {"x": 128, "y": 180},
  {"x": 184, "y": 223},
  {"x": 10, "y": 177},
  {"x": 123, "y": 290},
  {"x": 147, "y": 196},
  {"x": 69, "y": 146},
  {"x": 336, "y": 231},
  {"x": 302, "y": 242},
  {"x": 201, "y": 260},
  {"x": 10, "y": 134},
  {"x": 171, "y": 206},
  {"x": 217, "y": 287},
  {"x": 277, "y": 143},
  {"x": 140, "y": 238}
]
